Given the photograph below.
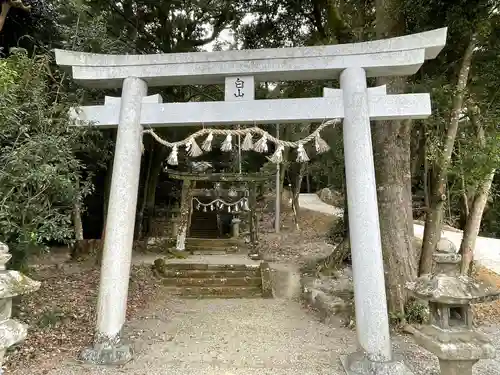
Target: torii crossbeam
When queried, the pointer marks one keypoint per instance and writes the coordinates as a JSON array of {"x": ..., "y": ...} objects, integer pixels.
[{"x": 354, "y": 102}]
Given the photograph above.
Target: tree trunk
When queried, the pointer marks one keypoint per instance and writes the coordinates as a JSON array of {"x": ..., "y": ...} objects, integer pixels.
[
  {"x": 107, "y": 189},
  {"x": 391, "y": 143},
  {"x": 156, "y": 168},
  {"x": 342, "y": 251},
  {"x": 465, "y": 208},
  {"x": 297, "y": 184},
  {"x": 392, "y": 161},
  {"x": 476, "y": 209},
  {"x": 146, "y": 210},
  {"x": 283, "y": 169},
  {"x": 426, "y": 181},
  {"x": 77, "y": 216},
  {"x": 78, "y": 226},
  {"x": 186, "y": 198},
  {"x": 474, "y": 223},
  {"x": 140, "y": 212},
  {"x": 433, "y": 222},
  {"x": 3, "y": 15},
  {"x": 7, "y": 5},
  {"x": 77, "y": 221},
  {"x": 418, "y": 155}
]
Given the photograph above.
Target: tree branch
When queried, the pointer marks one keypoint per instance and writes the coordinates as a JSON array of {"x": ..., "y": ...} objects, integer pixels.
[
  {"x": 317, "y": 19},
  {"x": 219, "y": 26},
  {"x": 6, "y": 7},
  {"x": 3, "y": 15}
]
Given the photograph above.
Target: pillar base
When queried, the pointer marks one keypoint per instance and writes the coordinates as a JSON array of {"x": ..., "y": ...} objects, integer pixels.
[
  {"x": 358, "y": 364},
  {"x": 107, "y": 351}
]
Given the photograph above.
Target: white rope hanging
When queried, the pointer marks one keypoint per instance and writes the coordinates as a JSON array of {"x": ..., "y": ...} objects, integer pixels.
[
  {"x": 261, "y": 145},
  {"x": 241, "y": 204}
]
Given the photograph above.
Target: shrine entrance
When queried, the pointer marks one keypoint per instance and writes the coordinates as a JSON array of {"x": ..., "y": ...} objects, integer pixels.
[
  {"x": 218, "y": 205},
  {"x": 353, "y": 102}
]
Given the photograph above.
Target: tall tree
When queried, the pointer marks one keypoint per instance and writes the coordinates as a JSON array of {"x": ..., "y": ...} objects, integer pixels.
[
  {"x": 447, "y": 78},
  {"x": 391, "y": 145}
]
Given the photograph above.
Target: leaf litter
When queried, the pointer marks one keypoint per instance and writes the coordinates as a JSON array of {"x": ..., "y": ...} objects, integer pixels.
[{"x": 61, "y": 315}]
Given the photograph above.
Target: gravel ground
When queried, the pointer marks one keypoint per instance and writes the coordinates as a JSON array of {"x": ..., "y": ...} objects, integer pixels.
[
  {"x": 240, "y": 336},
  {"x": 243, "y": 337}
]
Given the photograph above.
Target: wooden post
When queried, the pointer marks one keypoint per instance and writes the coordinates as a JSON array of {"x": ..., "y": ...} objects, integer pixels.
[
  {"x": 253, "y": 214},
  {"x": 184, "y": 215},
  {"x": 252, "y": 202},
  {"x": 190, "y": 195},
  {"x": 250, "y": 214}
]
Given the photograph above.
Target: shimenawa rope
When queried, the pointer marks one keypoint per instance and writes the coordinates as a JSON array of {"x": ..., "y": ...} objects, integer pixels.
[{"x": 261, "y": 145}]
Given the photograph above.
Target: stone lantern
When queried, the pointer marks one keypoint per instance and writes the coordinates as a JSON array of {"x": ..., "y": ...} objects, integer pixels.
[
  {"x": 450, "y": 334},
  {"x": 12, "y": 283}
]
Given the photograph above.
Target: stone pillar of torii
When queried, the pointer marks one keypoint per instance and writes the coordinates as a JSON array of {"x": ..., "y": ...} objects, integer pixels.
[{"x": 240, "y": 70}]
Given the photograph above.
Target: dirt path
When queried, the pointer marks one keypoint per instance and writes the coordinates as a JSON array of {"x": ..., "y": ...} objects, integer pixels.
[
  {"x": 243, "y": 337},
  {"x": 486, "y": 253},
  {"x": 313, "y": 203},
  {"x": 239, "y": 336}
]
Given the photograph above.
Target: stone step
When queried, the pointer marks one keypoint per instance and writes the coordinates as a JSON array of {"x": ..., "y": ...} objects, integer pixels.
[
  {"x": 217, "y": 291},
  {"x": 212, "y": 281},
  {"x": 208, "y": 242},
  {"x": 212, "y": 267},
  {"x": 209, "y": 250},
  {"x": 212, "y": 251},
  {"x": 213, "y": 246},
  {"x": 208, "y": 274},
  {"x": 203, "y": 280}
]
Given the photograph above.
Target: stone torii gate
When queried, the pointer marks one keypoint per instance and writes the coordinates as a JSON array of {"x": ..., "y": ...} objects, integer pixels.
[{"x": 240, "y": 70}]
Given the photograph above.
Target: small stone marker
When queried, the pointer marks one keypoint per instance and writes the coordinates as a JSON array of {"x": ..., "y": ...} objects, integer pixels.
[{"x": 267, "y": 287}]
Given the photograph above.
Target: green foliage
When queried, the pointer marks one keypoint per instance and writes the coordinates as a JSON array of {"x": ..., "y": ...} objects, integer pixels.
[
  {"x": 40, "y": 176},
  {"x": 8, "y": 76},
  {"x": 416, "y": 312},
  {"x": 50, "y": 318}
]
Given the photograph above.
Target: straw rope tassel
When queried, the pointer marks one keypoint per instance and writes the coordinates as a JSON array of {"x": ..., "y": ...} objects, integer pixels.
[
  {"x": 320, "y": 144},
  {"x": 172, "y": 158},
  {"x": 195, "y": 150},
  {"x": 227, "y": 145},
  {"x": 207, "y": 145},
  {"x": 247, "y": 144},
  {"x": 301, "y": 154}
]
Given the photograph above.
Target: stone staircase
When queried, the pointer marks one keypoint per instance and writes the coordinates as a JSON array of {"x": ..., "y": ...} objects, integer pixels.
[
  {"x": 204, "y": 236},
  {"x": 204, "y": 225},
  {"x": 199, "y": 280}
]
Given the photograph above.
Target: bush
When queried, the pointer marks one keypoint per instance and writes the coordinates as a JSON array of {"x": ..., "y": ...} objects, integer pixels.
[{"x": 40, "y": 176}]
